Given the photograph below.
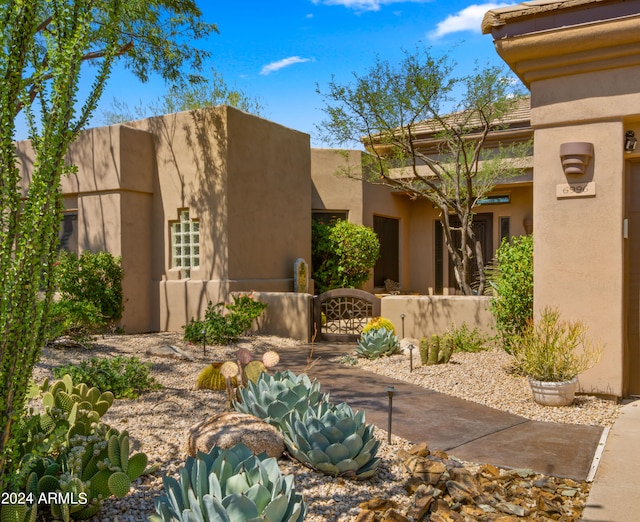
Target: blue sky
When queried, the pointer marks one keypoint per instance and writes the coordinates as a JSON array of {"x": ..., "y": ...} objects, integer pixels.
[{"x": 280, "y": 51}]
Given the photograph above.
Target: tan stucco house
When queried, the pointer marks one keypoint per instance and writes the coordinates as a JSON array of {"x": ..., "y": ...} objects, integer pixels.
[
  {"x": 200, "y": 204},
  {"x": 580, "y": 59}
]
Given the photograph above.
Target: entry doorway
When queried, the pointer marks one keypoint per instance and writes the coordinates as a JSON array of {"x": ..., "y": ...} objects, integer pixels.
[
  {"x": 632, "y": 352},
  {"x": 483, "y": 229},
  {"x": 388, "y": 264}
]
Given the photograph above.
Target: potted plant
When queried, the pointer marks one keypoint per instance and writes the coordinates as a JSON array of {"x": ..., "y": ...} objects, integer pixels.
[{"x": 552, "y": 353}]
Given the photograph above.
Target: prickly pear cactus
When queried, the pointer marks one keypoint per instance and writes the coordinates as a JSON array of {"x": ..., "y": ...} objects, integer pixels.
[{"x": 377, "y": 343}]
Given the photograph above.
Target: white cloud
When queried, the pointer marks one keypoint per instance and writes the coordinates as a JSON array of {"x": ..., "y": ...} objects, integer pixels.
[
  {"x": 364, "y": 5},
  {"x": 280, "y": 64},
  {"x": 469, "y": 19}
]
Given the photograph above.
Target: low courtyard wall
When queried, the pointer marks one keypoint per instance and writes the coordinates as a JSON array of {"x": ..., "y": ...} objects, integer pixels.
[
  {"x": 290, "y": 314},
  {"x": 425, "y": 315}
]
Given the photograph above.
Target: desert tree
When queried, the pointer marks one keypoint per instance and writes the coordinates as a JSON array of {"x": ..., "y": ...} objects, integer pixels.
[
  {"x": 46, "y": 46},
  {"x": 390, "y": 109},
  {"x": 203, "y": 91}
]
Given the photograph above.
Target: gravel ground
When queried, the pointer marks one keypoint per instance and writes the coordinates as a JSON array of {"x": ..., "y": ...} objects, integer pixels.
[{"x": 158, "y": 421}]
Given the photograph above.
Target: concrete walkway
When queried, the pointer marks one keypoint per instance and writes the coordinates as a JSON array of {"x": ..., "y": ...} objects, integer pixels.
[
  {"x": 615, "y": 494},
  {"x": 462, "y": 428}
]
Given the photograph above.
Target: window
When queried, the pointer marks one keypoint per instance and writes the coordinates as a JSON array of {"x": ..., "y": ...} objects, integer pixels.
[
  {"x": 504, "y": 228},
  {"x": 68, "y": 234},
  {"x": 185, "y": 239},
  {"x": 328, "y": 216}
]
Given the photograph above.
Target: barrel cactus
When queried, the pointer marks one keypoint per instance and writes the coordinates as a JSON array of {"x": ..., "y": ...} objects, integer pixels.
[
  {"x": 332, "y": 439},
  {"x": 377, "y": 323},
  {"x": 229, "y": 485},
  {"x": 377, "y": 343},
  {"x": 272, "y": 397}
]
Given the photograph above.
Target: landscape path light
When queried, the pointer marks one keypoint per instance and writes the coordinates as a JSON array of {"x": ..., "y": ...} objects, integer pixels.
[
  {"x": 390, "y": 391},
  {"x": 411, "y": 347}
]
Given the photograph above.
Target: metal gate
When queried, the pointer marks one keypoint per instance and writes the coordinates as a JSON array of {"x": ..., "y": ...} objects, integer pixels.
[{"x": 340, "y": 315}]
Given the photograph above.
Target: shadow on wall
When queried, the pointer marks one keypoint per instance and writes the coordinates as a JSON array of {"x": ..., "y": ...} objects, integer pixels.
[
  {"x": 435, "y": 314},
  {"x": 288, "y": 314},
  {"x": 191, "y": 161}
]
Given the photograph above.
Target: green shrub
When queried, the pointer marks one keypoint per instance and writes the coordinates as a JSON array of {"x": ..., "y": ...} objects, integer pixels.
[
  {"x": 90, "y": 289},
  {"x": 512, "y": 280},
  {"x": 466, "y": 340},
  {"x": 223, "y": 324},
  {"x": 123, "y": 376},
  {"x": 76, "y": 319},
  {"x": 343, "y": 254}
]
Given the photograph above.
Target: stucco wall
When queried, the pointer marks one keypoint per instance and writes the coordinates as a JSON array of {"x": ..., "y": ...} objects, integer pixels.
[
  {"x": 337, "y": 192},
  {"x": 428, "y": 315},
  {"x": 246, "y": 181},
  {"x": 269, "y": 189},
  {"x": 578, "y": 244}
]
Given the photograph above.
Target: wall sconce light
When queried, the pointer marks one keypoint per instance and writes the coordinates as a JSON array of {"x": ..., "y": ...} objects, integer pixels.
[
  {"x": 630, "y": 141},
  {"x": 575, "y": 156},
  {"x": 527, "y": 223}
]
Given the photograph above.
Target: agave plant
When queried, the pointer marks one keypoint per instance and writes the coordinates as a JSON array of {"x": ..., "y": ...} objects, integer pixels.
[
  {"x": 332, "y": 439},
  {"x": 231, "y": 485},
  {"x": 272, "y": 397},
  {"x": 377, "y": 343}
]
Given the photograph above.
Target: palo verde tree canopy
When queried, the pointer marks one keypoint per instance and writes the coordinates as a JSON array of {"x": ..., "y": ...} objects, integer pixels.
[{"x": 392, "y": 107}]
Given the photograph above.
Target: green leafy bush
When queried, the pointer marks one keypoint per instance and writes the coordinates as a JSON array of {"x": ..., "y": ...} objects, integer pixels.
[
  {"x": 512, "y": 280},
  {"x": 223, "y": 324},
  {"x": 123, "y": 376},
  {"x": 77, "y": 319},
  {"x": 343, "y": 254},
  {"x": 467, "y": 340},
  {"x": 90, "y": 288}
]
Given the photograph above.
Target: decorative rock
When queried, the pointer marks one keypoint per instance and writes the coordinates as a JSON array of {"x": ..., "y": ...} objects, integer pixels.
[
  {"x": 169, "y": 351},
  {"x": 228, "y": 428},
  {"x": 366, "y": 516},
  {"x": 378, "y": 504},
  {"x": 422, "y": 500},
  {"x": 393, "y": 516}
]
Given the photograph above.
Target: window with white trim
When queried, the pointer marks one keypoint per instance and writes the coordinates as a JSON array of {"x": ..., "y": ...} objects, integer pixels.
[{"x": 185, "y": 243}]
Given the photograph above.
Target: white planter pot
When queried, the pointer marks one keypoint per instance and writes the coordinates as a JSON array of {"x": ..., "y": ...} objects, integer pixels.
[{"x": 554, "y": 393}]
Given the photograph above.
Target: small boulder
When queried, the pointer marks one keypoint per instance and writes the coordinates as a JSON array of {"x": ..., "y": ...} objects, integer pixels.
[{"x": 229, "y": 428}]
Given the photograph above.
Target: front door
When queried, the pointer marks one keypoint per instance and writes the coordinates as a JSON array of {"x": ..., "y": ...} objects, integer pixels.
[
  {"x": 483, "y": 229},
  {"x": 632, "y": 355}
]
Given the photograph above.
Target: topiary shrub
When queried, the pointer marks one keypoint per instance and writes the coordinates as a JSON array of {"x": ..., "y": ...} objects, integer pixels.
[
  {"x": 342, "y": 254},
  {"x": 511, "y": 278}
]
